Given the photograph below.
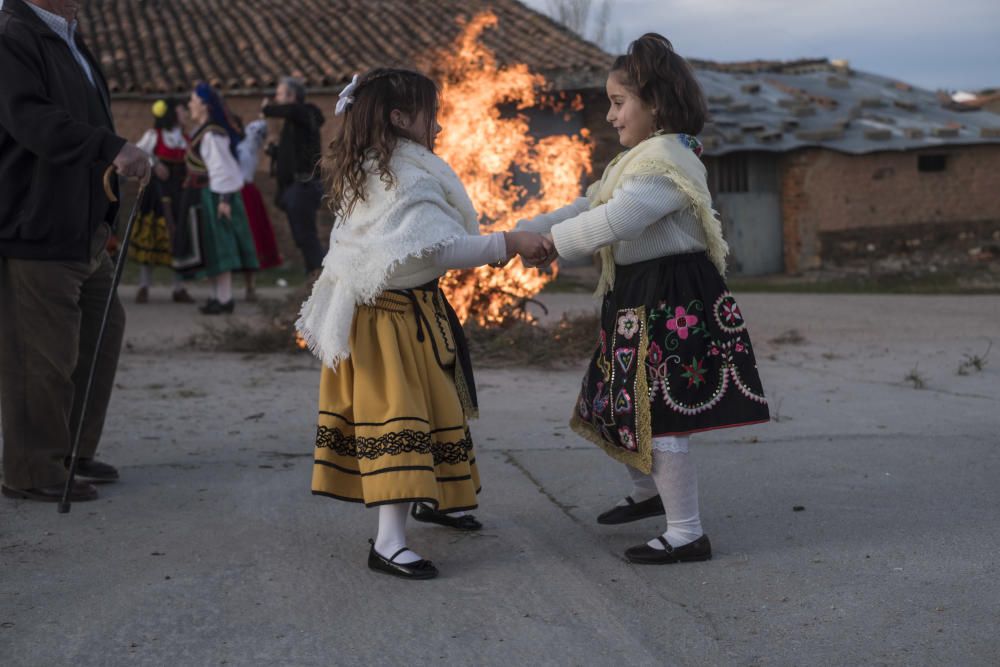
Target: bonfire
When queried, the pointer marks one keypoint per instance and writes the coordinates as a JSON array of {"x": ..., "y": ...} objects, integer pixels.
[{"x": 487, "y": 145}]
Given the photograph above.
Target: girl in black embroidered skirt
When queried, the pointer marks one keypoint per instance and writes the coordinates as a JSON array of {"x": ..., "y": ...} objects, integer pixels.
[{"x": 673, "y": 355}]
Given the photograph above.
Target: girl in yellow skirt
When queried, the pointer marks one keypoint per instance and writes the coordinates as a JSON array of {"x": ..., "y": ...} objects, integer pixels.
[{"x": 396, "y": 388}]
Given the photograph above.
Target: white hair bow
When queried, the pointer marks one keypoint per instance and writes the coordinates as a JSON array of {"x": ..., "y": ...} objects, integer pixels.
[{"x": 345, "y": 97}]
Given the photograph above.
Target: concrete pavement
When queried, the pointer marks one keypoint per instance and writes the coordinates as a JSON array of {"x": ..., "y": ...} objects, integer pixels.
[{"x": 212, "y": 551}]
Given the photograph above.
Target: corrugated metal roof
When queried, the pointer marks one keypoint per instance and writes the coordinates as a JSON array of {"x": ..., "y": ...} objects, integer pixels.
[{"x": 777, "y": 107}]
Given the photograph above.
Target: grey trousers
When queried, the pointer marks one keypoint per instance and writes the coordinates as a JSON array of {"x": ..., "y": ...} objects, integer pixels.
[{"x": 50, "y": 313}]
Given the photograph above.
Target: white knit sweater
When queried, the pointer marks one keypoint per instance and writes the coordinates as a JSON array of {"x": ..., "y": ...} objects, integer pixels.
[
  {"x": 464, "y": 253},
  {"x": 648, "y": 217}
]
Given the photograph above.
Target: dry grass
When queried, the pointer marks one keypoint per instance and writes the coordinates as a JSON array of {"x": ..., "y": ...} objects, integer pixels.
[
  {"x": 273, "y": 330},
  {"x": 517, "y": 343},
  {"x": 521, "y": 343},
  {"x": 790, "y": 337},
  {"x": 974, "y": 363},
  {"x": 915, "y": 378}
]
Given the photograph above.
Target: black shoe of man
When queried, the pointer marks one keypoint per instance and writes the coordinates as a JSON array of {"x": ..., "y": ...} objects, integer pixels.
[
  {"x": 78, "y": 493},
  {"x": 95, "y": 472}
]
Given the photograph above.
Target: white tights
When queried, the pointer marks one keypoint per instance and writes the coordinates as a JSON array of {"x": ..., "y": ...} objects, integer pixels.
[
  {"x": 392, "y": 533},
  {"x": 146, "y": 277},
  {"x": 222, "y": 284},
  {"x": 675, "y": 478}
]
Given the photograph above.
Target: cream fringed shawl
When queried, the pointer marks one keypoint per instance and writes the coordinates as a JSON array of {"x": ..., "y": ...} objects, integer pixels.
[
  {"x": 426, "y": 209},
  {"x": 669, "y": 155}
]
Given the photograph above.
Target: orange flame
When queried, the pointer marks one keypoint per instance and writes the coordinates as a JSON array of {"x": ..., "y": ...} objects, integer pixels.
[{"x": 485, "y": 147}]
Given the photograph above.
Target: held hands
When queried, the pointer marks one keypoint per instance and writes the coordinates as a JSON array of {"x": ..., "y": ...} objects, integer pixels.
[
  {"x": 552, "y": 253},
  {"x": 131, "y": 162},
  {"x": 225, "y": 210},
  {"x": 535, "y": 249}
]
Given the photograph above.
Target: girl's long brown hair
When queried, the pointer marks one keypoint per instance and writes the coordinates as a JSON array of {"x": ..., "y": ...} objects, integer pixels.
[
  {"x": 367, "y": 133},
  {"x": 664, "y": 81}
]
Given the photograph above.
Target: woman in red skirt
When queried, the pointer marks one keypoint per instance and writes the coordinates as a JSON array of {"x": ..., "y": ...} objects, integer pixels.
[{"x": 248, "y": 153}]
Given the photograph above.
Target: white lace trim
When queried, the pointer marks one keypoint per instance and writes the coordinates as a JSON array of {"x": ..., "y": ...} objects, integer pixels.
[{"x": 674, "y": 444}]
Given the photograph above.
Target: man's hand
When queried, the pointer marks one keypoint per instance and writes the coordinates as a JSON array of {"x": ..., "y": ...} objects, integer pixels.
[
  {"x": 161, "y": 171},
  {"x": 225, "y": 210},
  {"x": 131, "y": 162}
]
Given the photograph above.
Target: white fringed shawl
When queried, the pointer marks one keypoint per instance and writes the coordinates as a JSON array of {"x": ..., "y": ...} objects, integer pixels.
[
  {"x": 385, "y": 229},
  {"x": 664, "y": 155}
]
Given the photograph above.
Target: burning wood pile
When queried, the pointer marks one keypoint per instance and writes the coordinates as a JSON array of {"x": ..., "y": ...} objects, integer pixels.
[{"x": 487, "y": 145}]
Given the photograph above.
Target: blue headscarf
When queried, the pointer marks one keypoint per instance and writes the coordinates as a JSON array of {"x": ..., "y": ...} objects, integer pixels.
[{"x": 218, "y": 114}]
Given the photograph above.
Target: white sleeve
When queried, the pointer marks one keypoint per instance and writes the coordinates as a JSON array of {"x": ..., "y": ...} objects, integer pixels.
[
  {"x": 224, "y": 175},
  {"x": 248, "y": 150},
  {"x": 635, "y": 205},
  {"x": 543, "y": 223},
  {"x": 471, "y": 251},
  {"x": 147, "y": 144}
]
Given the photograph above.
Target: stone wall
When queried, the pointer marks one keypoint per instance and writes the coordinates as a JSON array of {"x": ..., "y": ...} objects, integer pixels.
[{"x": 824, "y": 191}]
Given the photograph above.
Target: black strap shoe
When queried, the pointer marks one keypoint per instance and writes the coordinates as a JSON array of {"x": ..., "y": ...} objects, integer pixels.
[
  {"x": 213, "y": 307},
  {"x": 78, "y": 493},
  {"x": 633, "y": 511},
  {"x": 94, "y": 471},
  {"x": 427, "y": 514},
  {"x": 421, "y": 569},
  {"x": 700, "y": 549}
]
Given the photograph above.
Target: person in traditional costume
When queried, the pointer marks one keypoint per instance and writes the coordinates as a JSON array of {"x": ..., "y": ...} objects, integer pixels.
[
  {"x": 213, "y": 232},
  {"x": 396, "y": 389},
  {"x": 151, "y": 243},
  {"x": 248, "y": 153},
  {"x": 673, "y": 355}
]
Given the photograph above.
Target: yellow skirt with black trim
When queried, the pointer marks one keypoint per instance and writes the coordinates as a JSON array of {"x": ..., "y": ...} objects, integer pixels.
[
  {"x": 392, "y": 424},
  {"x": 150, "y": 242}
]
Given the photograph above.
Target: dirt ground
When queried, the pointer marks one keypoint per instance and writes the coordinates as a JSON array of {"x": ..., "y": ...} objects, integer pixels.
[{"x": 212, "y": 551}]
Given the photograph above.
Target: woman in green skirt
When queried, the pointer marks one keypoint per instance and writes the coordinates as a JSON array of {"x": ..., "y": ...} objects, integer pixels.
[{"x": 213, "y": 233}]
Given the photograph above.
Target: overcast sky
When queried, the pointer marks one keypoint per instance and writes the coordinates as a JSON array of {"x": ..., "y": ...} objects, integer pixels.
[{"x": 952, "y": 44}]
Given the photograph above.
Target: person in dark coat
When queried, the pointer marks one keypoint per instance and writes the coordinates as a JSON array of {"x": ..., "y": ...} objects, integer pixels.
[
  {"x": 57, "y": 139},
  {"x": 299, "y": 189}
]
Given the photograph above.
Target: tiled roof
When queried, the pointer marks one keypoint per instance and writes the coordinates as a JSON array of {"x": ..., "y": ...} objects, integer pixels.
[{"x": 161, "y": 46}]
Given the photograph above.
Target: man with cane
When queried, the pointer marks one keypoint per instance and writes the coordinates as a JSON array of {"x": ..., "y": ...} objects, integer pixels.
[{"x": 56, "y": 141}]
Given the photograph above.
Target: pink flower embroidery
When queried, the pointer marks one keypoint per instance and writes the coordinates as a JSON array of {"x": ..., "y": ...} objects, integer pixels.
[
  {"x": 628, "y": 324},
  {"x": 681, "y": 321},
  {"x": 739, "y": 347},
  {"x": 731, "y": 312},
  {"x": 655, "y": 354}
]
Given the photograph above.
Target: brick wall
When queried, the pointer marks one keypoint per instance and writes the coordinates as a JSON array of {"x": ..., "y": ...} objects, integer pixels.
[{"x": 824, "y": 191}]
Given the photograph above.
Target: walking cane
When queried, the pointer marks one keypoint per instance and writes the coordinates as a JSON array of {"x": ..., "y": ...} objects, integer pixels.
[{"x": 119, "y": 265}]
